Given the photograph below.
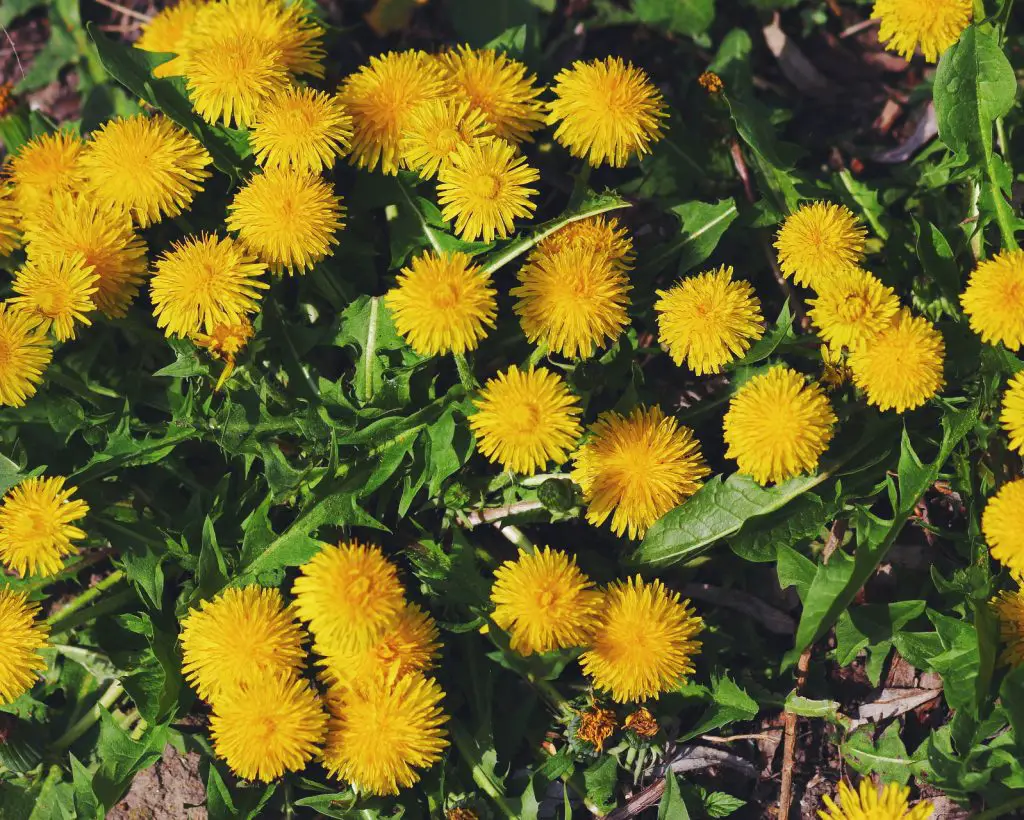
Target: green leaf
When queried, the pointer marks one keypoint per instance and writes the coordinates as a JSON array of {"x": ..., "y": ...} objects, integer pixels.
[
  {"x": 937, "y": 259},
  {"x": 887, "y": 757},
  {"x": 366, "y": 324},
  {"x": 780, "y": 332},
  {"x": 86, "y": 803},
  {"x": 121, "y": 757},
  {"x": 600, "y": 779},
  {"x": 730, "y": 704},
  {"x": 59, "y": 52},
  {"x": 721, "y": 804},
  {"x": 13, "y": 9},
  {"x": 689, "y": 17},
  {"x": 672, "y": 806},
  {"x": 702, "y": 225},
  {"x": 800, "y": 520},
  {"x": 815, "y": 708},
  {"x": 872, "y": 624}
]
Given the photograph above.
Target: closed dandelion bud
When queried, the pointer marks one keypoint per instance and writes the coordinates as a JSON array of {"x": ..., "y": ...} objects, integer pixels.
[{"x": 557, "y": 495}]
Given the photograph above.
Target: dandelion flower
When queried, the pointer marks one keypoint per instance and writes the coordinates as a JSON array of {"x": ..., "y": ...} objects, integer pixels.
[
  {"x": 524, "y": 419},
  {"x": 58, "y": 291},
  {"x": 819, "y": 241},
  {"x": 593, "y": 726},
  {"x": 573, "y": 301},
  {"x": 933, "y": 24},
  {"x": 24, "y": 354},
  {"x": 1009, "y": 609},
  {"x": 852, "y": 308},
  {"x": 1000, "y": 522},
  {"x": 778, "y": 426},
  {"x": 166, "y": 32},
  {"x": 641, "y": 723},
  {"x": 381, "y": 97},
  {"x": 301, "y": 128},
  {"x": 835, "y": 372},
  {"x": 870, "y": 802},
  {"x": 225, "y": 342},
  {"x": 148, "y": 167},
  {"x": 203, "y": 282},
  {"x": 22, "y": 635},
  {"x": 348, "y": 594},
  {"x": 496, "y": 86},
  {"x": 409, "y": 643},
  {"x": 443, "y": 303},
  {"x": 10, "y": 221},
  {"x": 485, "y": 188},
  {"x": 994, "y": 299},
  {"x": 37, "y": 526},
  {"x": 636, "y": 468},
  {"x": 381, "y": 731},
  {"x": 287, "y": 218},
  {"x": 644, "y": 641},
  {"x": 606, "y": 110},
  {"x": 708, "y": 320},
  {"x": 44, "y": 166},
  {"x": 273, "y": 726},
  {"x": 1012, "y": 417},
  {"x": 901, "y": 367},
  {"x": 600, "y": 234},
  {"x": 103, "y": 236},
  {"x": 436, "y": 130}
]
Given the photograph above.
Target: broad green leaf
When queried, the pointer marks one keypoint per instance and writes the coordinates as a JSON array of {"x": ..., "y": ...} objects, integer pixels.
[
  {"x": 729, "y": 704},
  {"x": 869, "y": 624},
  {"x": 366, "y": 324},
  {"x": 60, "y": 51},
  {"x": 689, "y": 17},
  {"x": 121, "y": 757},
  {"x": 86, "y": 804},
  {"x": 672, "y": 806},
  {"x": 886, "y": 758},
  {"x": 938, "y": 260},
  {"x": 702, "y": 225},
  {"x": 815, "y": 708},
  {"x": 800, "y": 520},
  {"x": 601, "y": 779},
  {"x": 721, "y": 804},
  {"x": 780, "y": 333}
]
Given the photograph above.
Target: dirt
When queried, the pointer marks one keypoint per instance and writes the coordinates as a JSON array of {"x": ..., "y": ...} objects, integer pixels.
[{"x": 169, "y": 790}]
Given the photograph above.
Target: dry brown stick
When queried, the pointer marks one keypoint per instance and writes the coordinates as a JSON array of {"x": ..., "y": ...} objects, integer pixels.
[
  {"x": 138, "y": 15},
  {"x": 789, "y": 741},
  {"x": 835, "y": 538},
  {"x": 491, "y": 514}
]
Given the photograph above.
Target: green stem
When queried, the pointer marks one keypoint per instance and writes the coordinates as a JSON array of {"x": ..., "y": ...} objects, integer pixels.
[
  {"x": 102, "y": 607},
  {"x": 466, "y": 375},
  {"x": 83, "y": 724},
  {"x": 538, "y": 353},
  {"x": 467, "y": 749},
  {"x": 428, "y": 232},
  {"x": 86, "y": 597},
  {"x": 974, "y": 217},
  {"x": 1002, "y": 810}
]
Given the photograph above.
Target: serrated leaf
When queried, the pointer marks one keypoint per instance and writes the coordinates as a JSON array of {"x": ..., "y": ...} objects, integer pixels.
[
  {"x": 730, "y": 703},
  {"x": 887, "y": 757}
]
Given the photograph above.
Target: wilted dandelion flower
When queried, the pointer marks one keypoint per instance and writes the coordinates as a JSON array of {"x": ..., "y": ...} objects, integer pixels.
[
  {"x": 22, "y": 635},
  {"x": 225, "y": 342},
  {"x": 10, "y": 221},
  {"x": 778, "y": 426},
  {"x": 901, "y": 367},
  {"x": 381, "y": 98},
  {"x": 498, "y": 87},
  {"x": 599, "y": 234},
  {"x": 606, "y": 111},
  {"x": 1000, "y": 523},
  {"x": 166, "y": 32},
  {"x": 819, "y": 241},
  {"x": 933, "y": 24},
  {"x": 544, "y": 602},
  {"x": 348, "y": 594},
  {"x": 203, "y": 282},
  {"x": 835, "y": 372},
  {"x": 852, "y": 307},
  {"x": 1012, "y": 416},
  {"x": 709, "y": 320},
  {"x": 287, "y": 218},
  {"x": 484, "y": 189},
  {"x": 526, "y": 418},
  {"x": 573, "y": 301},
  {"x": 57, "y": 290},
  {"x": 37, "y": 526},
  {"x": 636, "y": 468},
  {"x": 146, "y": 166},
  {"x": 103, "y": 236},
  {"x": 872, "y": 802},
  {"x": 24, "y": 354},
  {"x": 43, "y": 166},
  {"x": 443, "y": 303},
  {"x": 382, "y": 731},
  {"x": 994, "y": 299},
  {"x": 272, "y": 726},
  {"x": 301, "y": 128},
  {"x": 594, "y": 726},
  {"x": 435, "y": 131},
  {"x": 644, "y": 641},
  {"x": 1009, "y": 609}
]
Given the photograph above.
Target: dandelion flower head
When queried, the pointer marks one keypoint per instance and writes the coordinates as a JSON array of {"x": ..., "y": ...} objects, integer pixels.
[
  {"x": 166, "y": 32},
  {"x": 22, "y": 635},
  {"x": 934, "y": 25},
  {"x": 435, "y": 131},
  {"x": 1000, "y": 523},
  {"x": 852, "y": 307},
  {"x": 1009, "y": 609},
  {"x": 819, "y": 241},
  {"x": 10, "y": 221},
  {"x": 994, "y": 299},
  {"x": 873, "y": 802},
  {"x": 24, "y": 354},
  {"x": 58, "y": 291},
  {"x": 45, "y": 165},
  {"x": 37, "y": 526},
  {"x": 600, "y": 234},
  {"x": 301, "y": 128},
  {"x": 1012, "y": 416}
]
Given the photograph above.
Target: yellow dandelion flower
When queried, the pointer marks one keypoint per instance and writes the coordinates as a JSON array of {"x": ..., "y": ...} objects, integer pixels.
[
  {"x": 819, "y": 241},
  {"x": 37, "y": 528},
  {"x": 443, "y": 303},
  {"x": 573, "y": 301},
  {"x": 274, "y": 725},
  {"x": 709, "y": 320},
  {"x": 348, "y": 594},
  {"x": 58, "y": 291},
  {"x": 777, "y": 426},
  {"x": 1000, "y": 523},
  {"x": 10, "y": 221},
  {"x": 435, "y": 131},
  {"x": 287, "y": 218},
  {"x": 225, "y": 342},
  {"x": 644, "y": 641},
  {"x": 636, "y": 468},
  {"x": 834, "y": 370},
  {"x": 103, "y": 236},
  {"x": 166, "y": 32},
  {"x": 24, "y": 354},
  {"x": 301, "y": 128},
  {"x": 606, "y": 111},
  {"x": 238, "y": 639},
  {"x": 203, "y": 282},
  {"x": 994, "y": 299},
  {"x": 382, "y": 731},
  {"x": 596, "y": 233},
  {"x": 1012, "y": 416},
  {"x": 498, "y": 87},
  {"x": 148, "y": 167},
  {"x": 1009, "y": 609},
  {"x": 852, "y": 307},
  {"x": 934, "y": 25},
  {"x": 544, "y": 602},
  {"x": 22, "y": 635},
  {"x": 901, "y": 367},
  {"x": 872, "y": 802},
  {"x": 485, "y": 188},
  {"x": 381, "y": 97},
  {"x": 409, "y": 643},
  {"x": 44, "y": 166},
  {"x": 524, "y": 419}
]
